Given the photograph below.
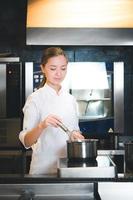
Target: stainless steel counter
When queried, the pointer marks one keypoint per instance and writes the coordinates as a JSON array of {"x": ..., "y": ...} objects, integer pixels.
[
  {"x": 51, "y": 187},
  {"x": 50, "y": 191}
]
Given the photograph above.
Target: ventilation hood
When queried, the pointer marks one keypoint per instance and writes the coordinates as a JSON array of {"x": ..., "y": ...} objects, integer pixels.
[{"x": 79, "y": 22}]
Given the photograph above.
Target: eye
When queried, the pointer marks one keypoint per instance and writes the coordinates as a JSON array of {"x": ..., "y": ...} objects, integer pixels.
[
  {"x": 63, "y": 68},
  {"x": 52, "y": 69}
]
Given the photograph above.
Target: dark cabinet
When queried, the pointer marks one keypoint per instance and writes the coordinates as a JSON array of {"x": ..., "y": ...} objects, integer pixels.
[{"x": 11, "y": 162}]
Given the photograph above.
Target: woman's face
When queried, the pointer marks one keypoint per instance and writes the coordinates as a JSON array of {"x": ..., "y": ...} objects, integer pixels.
[{"x": 55, "y": 70}]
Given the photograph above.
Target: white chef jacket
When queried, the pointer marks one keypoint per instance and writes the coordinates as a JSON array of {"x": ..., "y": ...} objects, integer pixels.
[{"x": 51, "y": 144}]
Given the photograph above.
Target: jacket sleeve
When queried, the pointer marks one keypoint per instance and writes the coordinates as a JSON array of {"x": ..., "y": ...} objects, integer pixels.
[{"x": 30, "y": 120}]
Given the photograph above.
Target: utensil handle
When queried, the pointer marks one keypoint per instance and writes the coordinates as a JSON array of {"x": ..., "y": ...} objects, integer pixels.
[{"x": 64, "y": 128}]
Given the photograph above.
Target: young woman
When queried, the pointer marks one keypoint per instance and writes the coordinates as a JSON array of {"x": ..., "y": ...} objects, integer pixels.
[{"x": 44, "y": 110}]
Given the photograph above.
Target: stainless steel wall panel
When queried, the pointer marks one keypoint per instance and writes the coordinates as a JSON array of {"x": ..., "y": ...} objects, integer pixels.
[
  {"x": 2, "y": 90},
  {"x": 28, "y": 78},
  {"x": 118, "y": 97}
]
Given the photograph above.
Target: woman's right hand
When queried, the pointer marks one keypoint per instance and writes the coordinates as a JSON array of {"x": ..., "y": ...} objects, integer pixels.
[
  {"x": 50, "y": 120},
  {"x": 32, "y": 136}
]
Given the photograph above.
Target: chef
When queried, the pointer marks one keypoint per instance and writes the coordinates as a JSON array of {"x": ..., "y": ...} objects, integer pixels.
[{"x": 44, "y": 110}]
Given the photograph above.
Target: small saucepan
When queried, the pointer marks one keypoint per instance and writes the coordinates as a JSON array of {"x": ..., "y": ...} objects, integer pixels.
[{"x": 82, "y": 150}]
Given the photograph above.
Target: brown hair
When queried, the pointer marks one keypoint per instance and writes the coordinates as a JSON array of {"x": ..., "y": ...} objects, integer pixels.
[{"x": 49, "y": 53}]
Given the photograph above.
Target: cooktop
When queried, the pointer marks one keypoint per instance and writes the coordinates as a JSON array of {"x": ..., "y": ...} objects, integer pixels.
[{"x": 101, "y": 167}]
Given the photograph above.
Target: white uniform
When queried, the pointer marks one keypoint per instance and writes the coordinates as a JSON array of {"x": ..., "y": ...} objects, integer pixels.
[{"x": 52, "y": 142}]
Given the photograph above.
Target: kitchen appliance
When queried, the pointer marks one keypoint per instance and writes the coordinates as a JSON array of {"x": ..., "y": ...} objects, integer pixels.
[
  {"x": 104, "y": 167},
  {"x": 82, "y": 160},
  {"x": 11, "y": 93},
  {"x": 56, "y": 27}
]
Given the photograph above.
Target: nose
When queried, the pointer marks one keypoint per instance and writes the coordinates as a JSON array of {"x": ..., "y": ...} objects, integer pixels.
[{"x": 58, "y": 72}]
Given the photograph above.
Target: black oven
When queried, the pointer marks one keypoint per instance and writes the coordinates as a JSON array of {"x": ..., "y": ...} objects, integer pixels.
[{"x": 11, "y": 100}]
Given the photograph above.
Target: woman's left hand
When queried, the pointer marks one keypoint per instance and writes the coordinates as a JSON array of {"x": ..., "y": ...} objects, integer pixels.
[{"x": 75, "y": 135}]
